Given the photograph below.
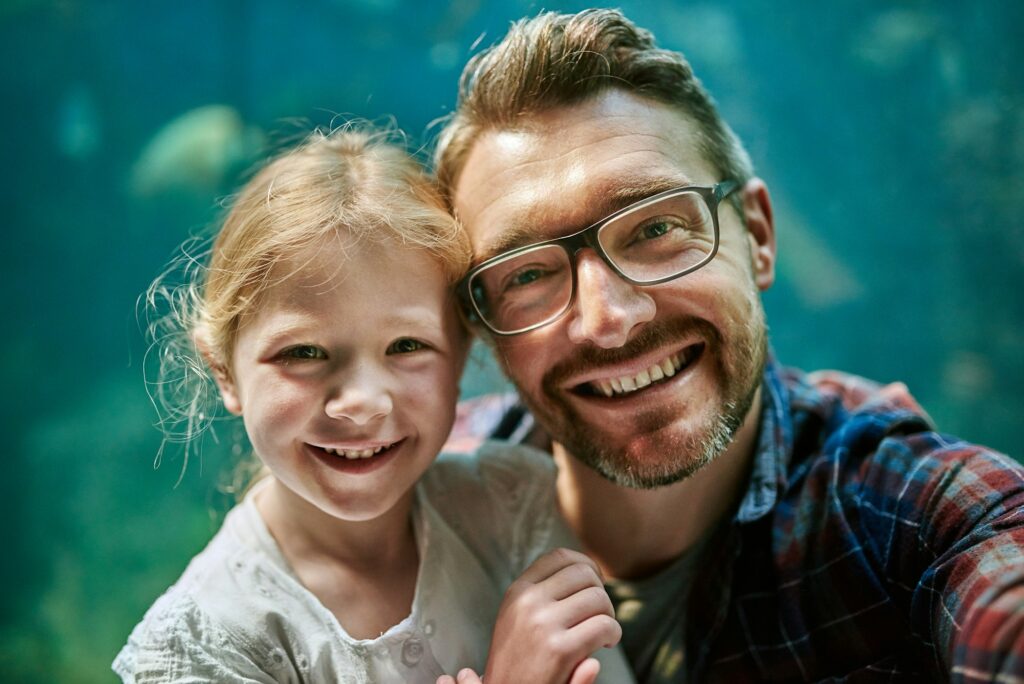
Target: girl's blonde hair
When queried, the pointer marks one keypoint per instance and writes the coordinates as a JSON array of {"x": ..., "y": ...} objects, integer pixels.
[{"x": 351, "y": 182}]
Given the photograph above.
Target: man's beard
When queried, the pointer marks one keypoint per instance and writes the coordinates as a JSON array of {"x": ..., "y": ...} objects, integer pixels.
[{"x": 739, "y": 370}]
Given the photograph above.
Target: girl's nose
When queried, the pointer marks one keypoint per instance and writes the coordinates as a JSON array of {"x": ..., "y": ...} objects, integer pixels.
[{"x": 362, "y": 399}]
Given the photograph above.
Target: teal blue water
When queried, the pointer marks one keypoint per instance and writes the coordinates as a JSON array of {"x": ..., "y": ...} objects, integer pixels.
[{"x": 891, "y": 136}]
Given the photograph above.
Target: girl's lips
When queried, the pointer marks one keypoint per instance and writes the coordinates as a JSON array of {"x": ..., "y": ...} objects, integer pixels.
[{"x": 355, "y": 464}]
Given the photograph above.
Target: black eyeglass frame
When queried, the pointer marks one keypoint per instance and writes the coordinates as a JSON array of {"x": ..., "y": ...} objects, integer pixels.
[{"x": 588, "y": 237}]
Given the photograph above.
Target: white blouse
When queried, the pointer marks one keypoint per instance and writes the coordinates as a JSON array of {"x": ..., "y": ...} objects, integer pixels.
[{"x": 240, "y": 614}]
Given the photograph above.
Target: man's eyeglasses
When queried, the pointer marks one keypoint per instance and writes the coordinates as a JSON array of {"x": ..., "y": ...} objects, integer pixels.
[{"x": 651, "y": 241}]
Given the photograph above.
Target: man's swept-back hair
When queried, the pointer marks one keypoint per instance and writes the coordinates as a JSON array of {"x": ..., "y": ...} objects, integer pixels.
[{"x": 556, "y": 60}]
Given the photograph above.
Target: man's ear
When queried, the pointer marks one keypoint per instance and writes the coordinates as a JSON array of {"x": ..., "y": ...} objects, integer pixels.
[
  {"x": 757, "y": 210},
  {"x": 221, "y": 375}
]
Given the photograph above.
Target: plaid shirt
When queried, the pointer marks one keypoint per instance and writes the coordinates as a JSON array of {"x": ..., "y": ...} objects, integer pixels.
[{"x": 867, "y": 548}]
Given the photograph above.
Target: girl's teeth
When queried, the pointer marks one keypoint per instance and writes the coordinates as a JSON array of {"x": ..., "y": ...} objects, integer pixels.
[{"x": 354, "y": 454}]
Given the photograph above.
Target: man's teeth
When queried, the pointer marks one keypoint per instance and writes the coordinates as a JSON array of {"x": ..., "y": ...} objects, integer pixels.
[
  {"x": 666, "y": 368},
  {"x": 355, "y": 453}
]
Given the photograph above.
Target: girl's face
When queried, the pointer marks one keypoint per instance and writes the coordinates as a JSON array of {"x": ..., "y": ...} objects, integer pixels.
[{"x": 347, "y": 373}]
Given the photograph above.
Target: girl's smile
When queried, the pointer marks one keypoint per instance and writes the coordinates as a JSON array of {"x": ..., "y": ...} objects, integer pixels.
[{"x": 346, "y": 374}]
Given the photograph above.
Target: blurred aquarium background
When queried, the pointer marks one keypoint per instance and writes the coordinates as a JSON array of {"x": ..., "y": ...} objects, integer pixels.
[{"x": 891, "y": 135}]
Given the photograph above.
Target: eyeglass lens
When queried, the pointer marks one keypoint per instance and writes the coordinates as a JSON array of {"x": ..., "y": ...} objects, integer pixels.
[{"x": 656, "y": 240}]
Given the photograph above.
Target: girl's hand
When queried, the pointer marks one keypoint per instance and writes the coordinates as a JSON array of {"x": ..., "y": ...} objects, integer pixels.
[
  {"x": 585, "y": 673},
  {"x": 553, "y": 618}
]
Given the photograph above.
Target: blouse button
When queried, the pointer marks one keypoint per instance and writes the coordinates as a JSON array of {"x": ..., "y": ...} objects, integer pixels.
[{"x": 412, "y": 652}]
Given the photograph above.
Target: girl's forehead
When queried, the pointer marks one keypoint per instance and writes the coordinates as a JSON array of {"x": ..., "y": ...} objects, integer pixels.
[{"x": 377, "y": 270}]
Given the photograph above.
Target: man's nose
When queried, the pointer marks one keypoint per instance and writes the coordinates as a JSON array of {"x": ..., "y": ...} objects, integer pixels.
[
  {"x": 607, "y": 308},
  {"x": 362, "y": 398}
]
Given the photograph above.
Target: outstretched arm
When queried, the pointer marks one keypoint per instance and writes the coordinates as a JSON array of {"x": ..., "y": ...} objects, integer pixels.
[{"x": 954, "y": 540}]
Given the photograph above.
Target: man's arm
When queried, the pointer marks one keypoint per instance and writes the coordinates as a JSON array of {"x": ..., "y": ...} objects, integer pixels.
[{"x": 950, "y": 531}]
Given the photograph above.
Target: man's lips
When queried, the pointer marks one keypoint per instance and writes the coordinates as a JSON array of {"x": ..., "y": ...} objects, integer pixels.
[{"x": 652, "y": 369}]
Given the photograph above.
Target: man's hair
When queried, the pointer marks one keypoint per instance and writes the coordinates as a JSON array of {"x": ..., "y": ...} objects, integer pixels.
[{"x": 556, "y": 60}]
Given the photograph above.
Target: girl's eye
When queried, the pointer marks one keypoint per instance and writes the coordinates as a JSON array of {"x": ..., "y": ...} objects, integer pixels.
[
  {"x": 405, "y": 345},
  {"x": 303, "y": 352}
]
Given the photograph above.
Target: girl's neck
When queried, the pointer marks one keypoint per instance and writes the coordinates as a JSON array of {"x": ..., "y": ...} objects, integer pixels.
[
  {"x": 364, "y": 572},
  {"x": 304, "y": 531}
]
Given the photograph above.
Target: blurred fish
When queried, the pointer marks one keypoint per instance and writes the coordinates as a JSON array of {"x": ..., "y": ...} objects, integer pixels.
[
  {"x": 891, "y": 39},
  {"x": 78, "y": 129},
  {"x": 198, "y": 151}
]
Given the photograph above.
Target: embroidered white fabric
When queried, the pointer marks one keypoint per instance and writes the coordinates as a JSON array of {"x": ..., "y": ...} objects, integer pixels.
[{"x": 239, "y": 613}]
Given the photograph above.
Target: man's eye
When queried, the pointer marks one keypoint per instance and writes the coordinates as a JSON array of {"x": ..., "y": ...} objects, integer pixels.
[
  {"x": 405, "y": 345},
  {"x": 303, "y": 352},
  {"x": 526, "y": 276},
  {"x": 655, "y": 230}
]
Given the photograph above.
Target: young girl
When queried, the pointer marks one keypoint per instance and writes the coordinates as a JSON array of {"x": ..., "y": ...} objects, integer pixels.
[{"x": 326, "y": 320}]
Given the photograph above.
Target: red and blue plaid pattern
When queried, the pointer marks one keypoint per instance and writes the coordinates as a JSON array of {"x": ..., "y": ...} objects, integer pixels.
[{"x": 868, "y": 547}]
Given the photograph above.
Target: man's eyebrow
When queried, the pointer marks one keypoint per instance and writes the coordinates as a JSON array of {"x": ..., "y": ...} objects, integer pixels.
[
  {"x": 630, "y": 190},
  {"x": 620, "y": 194},
  {"x": 517, "y": 235}
]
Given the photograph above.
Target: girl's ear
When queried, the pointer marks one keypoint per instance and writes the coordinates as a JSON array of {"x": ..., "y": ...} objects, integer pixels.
[{"x": 221, "y": 374}]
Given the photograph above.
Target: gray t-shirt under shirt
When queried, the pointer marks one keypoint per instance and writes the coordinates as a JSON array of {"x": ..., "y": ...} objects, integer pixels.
[{"x": 652, "y": 612}]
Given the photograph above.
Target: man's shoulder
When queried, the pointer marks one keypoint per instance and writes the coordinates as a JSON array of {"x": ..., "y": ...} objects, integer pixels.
[
  {"x": 874, "y": 443},
  {"x": 854, "y": 394},
  {"x": 835, "y": 412}
]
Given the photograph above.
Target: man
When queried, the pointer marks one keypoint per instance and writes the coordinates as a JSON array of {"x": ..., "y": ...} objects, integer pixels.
[{"x": 754, "y": 523}]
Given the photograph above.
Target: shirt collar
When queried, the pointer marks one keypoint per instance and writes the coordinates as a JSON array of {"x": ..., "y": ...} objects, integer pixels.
[{"x": 774, "y": 445}]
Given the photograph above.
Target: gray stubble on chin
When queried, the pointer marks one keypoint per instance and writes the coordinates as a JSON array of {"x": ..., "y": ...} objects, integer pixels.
[{"x": 694, "y": 451}]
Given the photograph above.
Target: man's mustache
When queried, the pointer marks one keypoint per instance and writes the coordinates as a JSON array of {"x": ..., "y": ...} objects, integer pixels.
[{"x": 651, "y": 336}]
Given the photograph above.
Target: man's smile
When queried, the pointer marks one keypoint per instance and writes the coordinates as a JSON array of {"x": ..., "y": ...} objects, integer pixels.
[{"x": 613, "y": 383}]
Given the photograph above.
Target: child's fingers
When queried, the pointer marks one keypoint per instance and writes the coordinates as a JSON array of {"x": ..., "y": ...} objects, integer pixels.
[
  {"x": 584, "y": 604},
  {"x": 571, "y": 580},
  {"x": 586, "y": 672},
  {"x": 466, "y": 676},
  {"x": 596, "y": 632},
  {"x": 553, "y": 561}
]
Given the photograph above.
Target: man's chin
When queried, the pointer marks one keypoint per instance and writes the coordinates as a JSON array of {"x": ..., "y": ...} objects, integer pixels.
[{"x": 655, "y": 458}]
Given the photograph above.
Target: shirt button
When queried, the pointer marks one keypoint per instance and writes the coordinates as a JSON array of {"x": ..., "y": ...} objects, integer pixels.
[{"x": 412, "y": 652}]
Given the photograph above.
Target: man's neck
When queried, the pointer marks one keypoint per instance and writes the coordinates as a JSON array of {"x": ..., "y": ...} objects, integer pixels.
[{"x": 633, "y": 533}]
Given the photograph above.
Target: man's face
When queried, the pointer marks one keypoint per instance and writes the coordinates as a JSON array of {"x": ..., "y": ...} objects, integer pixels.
[{"x": 565, "y": 170}]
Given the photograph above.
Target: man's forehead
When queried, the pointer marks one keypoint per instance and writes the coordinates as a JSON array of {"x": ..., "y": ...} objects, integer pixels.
[
  {"x": 550, "y": 217},
  {"x": 567, "y": 168}
]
